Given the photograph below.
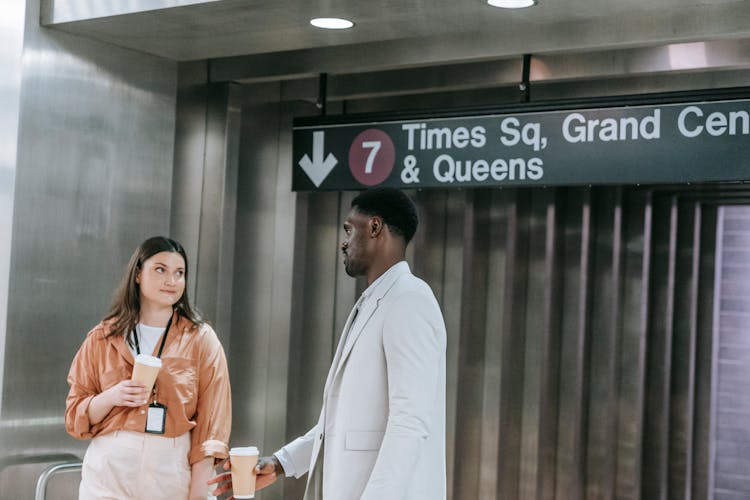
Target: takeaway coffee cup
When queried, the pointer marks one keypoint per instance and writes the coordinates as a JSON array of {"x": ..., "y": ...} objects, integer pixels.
[
  {"x": 146, "y": 369},
  {"x": 243, "y": 471}
]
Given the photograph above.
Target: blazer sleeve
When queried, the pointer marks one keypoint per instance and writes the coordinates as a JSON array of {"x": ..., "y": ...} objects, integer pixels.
[
  {"x": 298, "y": 453},
  {"x": 213, "y": 418},
  {"x": 414, "y": 344}
]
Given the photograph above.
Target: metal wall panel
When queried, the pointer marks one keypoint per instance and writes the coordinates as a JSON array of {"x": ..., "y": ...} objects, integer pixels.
[
  {"x": 576, "y": 246},
  {"x": 204, "y": 188},
  {"x": 731, "y": 455},
  {"x": 434, "y": 257},
  {"x": 93, "y": 179},
  {"x": 273, "y": 385},
  {"x": 11, "y": 47}
]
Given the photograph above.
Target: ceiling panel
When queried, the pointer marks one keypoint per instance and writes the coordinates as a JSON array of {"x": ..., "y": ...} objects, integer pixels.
[{"x": 392, "y": 34}]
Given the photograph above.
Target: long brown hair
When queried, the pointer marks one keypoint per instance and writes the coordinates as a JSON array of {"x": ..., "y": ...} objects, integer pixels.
[{"x": 126, "y": 305}]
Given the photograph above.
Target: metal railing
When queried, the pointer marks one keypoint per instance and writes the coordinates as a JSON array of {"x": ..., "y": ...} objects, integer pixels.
[
  {"x": 44, "y": 477},
  {"x": 71, "y": 463}
]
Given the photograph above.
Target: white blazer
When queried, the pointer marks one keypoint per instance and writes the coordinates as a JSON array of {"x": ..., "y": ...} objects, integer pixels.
[{"x": 383, "y": 415}]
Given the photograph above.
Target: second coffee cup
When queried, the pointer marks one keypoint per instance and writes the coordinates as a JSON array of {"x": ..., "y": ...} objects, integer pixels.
[
  {"x": 243, "y": 471},
  {"x": 146, "y": 369}
]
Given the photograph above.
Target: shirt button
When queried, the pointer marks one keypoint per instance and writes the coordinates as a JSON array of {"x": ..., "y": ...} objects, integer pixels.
[{"x": 321, "y": 436}]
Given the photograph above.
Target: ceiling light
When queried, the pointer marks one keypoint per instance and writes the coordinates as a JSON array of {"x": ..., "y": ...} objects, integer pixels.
[
  {"x": 511, "y": 4},
  {"x": 331, "y": 23}
]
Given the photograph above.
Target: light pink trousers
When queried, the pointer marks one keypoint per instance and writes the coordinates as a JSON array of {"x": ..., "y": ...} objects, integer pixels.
[{"x": 134, "y": 465}]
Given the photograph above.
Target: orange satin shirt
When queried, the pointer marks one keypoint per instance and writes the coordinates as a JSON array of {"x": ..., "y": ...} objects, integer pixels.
[{"x": 193, "y": 384}]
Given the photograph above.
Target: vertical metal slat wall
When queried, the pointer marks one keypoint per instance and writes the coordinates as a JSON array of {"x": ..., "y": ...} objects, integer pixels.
[
  {"x": 579, "y": 322},
  {"x": 731, "y": 434}
]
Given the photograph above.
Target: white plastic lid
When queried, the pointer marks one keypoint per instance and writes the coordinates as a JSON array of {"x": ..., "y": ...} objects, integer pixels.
[
  {"x": 244, "y": 451},
  {"x": 147, "y": 360}
]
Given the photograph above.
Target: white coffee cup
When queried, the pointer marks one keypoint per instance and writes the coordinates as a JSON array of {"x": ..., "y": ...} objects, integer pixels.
[
  {"x": 244, "y": 459},
  {"x": 146, "y": 369}
]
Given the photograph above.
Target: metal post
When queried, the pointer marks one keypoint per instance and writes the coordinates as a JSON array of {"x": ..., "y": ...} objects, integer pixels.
[
  {"x": 322, "y": 93},
  {"x": 525, "y": 86}
]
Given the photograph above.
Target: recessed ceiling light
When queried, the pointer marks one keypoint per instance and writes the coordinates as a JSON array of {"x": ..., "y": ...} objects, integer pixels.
[
  {"x": 511, "y": 4},
  {"x": 331, "y": 23}
]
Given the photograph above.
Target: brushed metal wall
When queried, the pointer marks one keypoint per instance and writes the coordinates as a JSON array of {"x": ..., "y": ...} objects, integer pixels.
[
  {"x": 11, "y": 48},
  {"x": 260, "y": 358},
  {"x": 205, "y": 189},
  {"x": 730, "y": 459},
  {"x": 93, "y": 179}
]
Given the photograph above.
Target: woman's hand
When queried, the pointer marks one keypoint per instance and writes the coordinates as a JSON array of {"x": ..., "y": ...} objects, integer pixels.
[
  {"x": 223, "y": 481},
  {"x": 125, "y": 393},
  {"x": 200, "y": 472}
]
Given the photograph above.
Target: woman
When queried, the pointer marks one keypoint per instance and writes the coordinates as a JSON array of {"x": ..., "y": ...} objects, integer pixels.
[{"x": 160, "y": 444}]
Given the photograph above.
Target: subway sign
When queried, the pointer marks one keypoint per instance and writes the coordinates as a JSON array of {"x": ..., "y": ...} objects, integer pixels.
[{"x": 651, "y": 144}]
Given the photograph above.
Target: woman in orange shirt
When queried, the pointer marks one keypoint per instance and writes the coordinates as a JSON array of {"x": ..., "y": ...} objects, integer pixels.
[{"x": 163, "y": 443}]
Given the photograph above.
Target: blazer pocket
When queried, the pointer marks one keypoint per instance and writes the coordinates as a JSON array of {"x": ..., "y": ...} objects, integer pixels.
[{"x": 363, "y": 440}]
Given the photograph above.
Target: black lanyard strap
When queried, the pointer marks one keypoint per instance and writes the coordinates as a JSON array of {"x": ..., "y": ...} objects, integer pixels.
[{"x": 163, "y": 339}]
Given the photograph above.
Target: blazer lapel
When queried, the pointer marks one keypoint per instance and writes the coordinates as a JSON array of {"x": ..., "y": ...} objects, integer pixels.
[
  {"x": 340, "y": 348},
  {"x": 368, "y": 308}
]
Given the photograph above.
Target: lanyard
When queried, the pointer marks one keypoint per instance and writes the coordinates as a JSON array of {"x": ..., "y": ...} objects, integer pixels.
[
  {"x": 163, "y": 339},
  {"x": 157, "y": 413}
]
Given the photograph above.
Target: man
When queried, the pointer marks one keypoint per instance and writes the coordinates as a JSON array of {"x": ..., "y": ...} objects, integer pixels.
[{"x": 381, "y": 431}]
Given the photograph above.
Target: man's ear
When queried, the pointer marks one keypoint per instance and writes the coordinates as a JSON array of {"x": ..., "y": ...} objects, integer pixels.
[{"x": 376, "y": 226}]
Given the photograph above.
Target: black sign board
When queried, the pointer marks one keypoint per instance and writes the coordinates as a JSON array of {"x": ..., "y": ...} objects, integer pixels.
[{"x": 649, "y": 144}]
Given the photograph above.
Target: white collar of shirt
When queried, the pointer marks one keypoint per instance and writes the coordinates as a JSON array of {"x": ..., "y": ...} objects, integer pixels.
[
  {"x": 376, "y": 291},
  {"x": 384, "y": 281}
]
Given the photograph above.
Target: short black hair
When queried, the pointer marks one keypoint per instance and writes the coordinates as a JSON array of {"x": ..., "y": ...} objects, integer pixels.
[{"x": 395, "y": 208}]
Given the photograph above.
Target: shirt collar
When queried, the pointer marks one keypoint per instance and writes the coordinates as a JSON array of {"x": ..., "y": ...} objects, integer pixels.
[{"x": 384, "y": 281}]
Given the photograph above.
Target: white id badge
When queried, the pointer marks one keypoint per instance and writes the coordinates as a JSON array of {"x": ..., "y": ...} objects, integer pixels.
[{"x": 157, "y": 417}]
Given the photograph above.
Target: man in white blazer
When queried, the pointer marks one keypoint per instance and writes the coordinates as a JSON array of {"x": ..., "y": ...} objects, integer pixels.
[{"x": 381, "y": 430}]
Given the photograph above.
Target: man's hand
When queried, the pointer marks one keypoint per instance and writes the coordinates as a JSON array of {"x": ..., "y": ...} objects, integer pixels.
[{"x": 267, "y": 472}]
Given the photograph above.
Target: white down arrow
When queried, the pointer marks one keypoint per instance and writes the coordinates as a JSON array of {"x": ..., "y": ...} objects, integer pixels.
[{"x": 318, "y": 169}]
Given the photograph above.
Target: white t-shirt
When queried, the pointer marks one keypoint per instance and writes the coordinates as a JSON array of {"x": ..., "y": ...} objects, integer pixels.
[{"x": 148, "y": 336}]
